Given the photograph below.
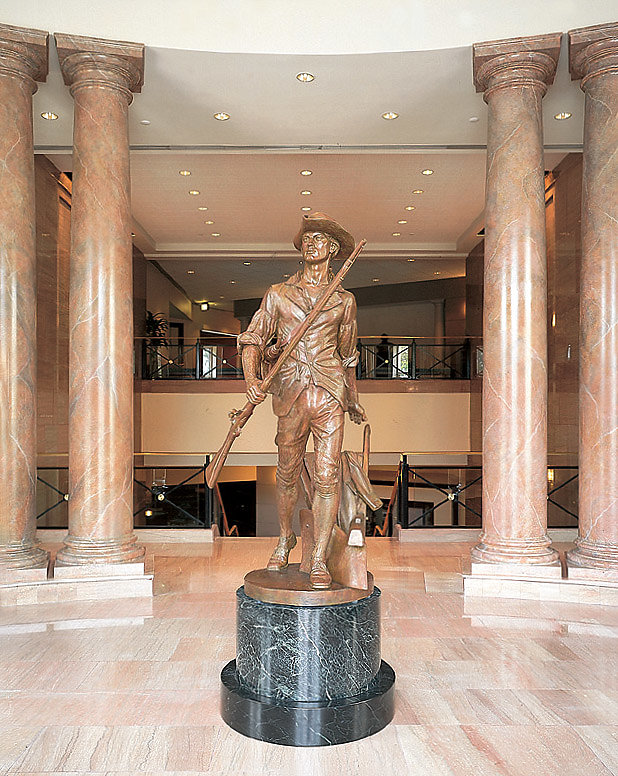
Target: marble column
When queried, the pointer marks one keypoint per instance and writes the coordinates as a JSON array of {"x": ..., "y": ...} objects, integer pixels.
[
  {"x": 23, "y": 62},
  {"x": 593, "y": 55},
  {"x": 514, "y": 75},
  {"x": 102, "y": 76}
]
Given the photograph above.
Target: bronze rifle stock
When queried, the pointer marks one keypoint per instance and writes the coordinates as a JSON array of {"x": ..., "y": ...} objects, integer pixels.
[{"x": 240, "y": 417}]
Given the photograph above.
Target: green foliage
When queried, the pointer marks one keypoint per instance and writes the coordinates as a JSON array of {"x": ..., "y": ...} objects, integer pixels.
[{"x": 156, "y": 328}]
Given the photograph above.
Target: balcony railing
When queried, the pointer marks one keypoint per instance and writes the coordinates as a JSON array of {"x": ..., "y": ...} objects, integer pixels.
[
  {"x": 414, "y": 358},
  {"x": 163, "y": 497},
  {"x": 421, "y": 496},
  {"x": 444, "y": 496},
  {"x": 402, "y": 358}
]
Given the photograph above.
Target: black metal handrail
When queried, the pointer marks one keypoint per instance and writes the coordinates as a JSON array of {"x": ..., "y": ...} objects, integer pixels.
[
  {"x": 160, "y": 496},
  {"x": 218, "y": 358},
  {"x": 414, "y": 359},
  {"x": 408, "y": 475},
  {"x": 199, "y": 360},
  {"x": 202, "y": 510},
  {"x": 207, "y": 512}
]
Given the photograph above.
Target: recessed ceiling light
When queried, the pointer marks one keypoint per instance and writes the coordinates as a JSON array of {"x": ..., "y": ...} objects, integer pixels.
[
  {"x": 390, "y": 115},
  {"x": 232, "y": 282},
  {"x": 204, "y": 306},
  {"x": 209, "y": 222},
  {"x": 305, "y": 193},
  {"x": 306, "y": 172},
  {"x": 132, "y": 234},
  {"x": 410, "y": 207},
  {"x": 305, "y": 78},
  {"x": 375, "y": 280},
  {"x": 396, "y": 234},
  {"x": 305, "y": 208},
  {"x": 49, "y": 116},
  {"x": 190, "y": 272},
  {"x": 417, "y": 191},
  {"x": 473, "y": 119},
  {"x": 246, "y": 263},
  {"x": 145, "y": 122},
  {"x": 286, "y": 276},
  {"x": 221, "y": 116},
  {"x": 184, "y": 172},
  {"x": 215, "y": 234},
  {"x": 202, "y": 208},
  {"x": 428, "y": 172},
  {"x": 436, "y": 273},
  {"x": 562, "y": 116},
  {"x": 221, "y": 297},
  {"x": 194, "y": 192},
  {"x": 411, "y": 259},
  {"x": 402, "y": 222}
]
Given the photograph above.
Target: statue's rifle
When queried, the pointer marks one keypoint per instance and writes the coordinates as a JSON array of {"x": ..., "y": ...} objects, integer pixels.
[{"x": 240, "y": 417}]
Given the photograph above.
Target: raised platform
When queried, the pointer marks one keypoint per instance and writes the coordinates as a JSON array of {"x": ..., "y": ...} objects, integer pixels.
[
  {"x": 95, "y": 582},
  {"x": 291, "y": 586},
  {"x": 308, "y": 723},
  {"x": 307, "y": 675},
  {"x": 575, "y": 591}
]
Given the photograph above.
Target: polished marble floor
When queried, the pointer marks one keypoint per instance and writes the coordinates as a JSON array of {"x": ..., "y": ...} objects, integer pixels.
[{"x": 484, "y": 687}]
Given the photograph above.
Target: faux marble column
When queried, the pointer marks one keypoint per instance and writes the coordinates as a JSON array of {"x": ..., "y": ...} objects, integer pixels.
[
  {"x": 514, "y": 75},
  {"x": 23, "y": 62},
  {"x": 593, "y": 55},
  {"x": 102, "y": 76}
]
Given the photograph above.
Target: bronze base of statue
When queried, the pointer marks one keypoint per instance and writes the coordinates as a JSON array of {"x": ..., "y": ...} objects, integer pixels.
[{"x": 292, "y": 587}]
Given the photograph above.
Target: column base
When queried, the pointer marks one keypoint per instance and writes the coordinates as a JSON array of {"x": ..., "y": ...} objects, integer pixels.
[
  {"x": 535, "y": 551},
  {"x": 79, "y": 551},
  {"x": 23, "y": 556},
  {"x": 593, "y": 560}
]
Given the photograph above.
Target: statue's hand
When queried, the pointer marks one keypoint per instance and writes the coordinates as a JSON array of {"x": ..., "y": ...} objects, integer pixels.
[
  {"x": 356, "y": 412},
  {"x": 255, "y": 394}
]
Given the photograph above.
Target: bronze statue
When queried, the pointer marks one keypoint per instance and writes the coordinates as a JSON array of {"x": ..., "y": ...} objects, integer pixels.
[{"x": 313, "y": 388}]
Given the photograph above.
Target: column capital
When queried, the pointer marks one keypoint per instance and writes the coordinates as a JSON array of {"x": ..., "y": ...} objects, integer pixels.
[
  {"x": 24, "y": 53},
  {"x": 593, "y": 51},
  {"x": 515, "y": 62},
  {"x": 96, "y": 62}
]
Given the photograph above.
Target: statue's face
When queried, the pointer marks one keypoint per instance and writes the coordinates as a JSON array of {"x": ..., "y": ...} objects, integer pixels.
[{"x": 317, "y": 246}]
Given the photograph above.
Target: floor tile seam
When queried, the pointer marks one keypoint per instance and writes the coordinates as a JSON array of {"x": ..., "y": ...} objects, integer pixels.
[{"x": 29, "y": 746}]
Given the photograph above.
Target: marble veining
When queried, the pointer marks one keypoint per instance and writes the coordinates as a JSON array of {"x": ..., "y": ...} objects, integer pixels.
[
  {"x": 313, "y": 723},
  {"x": 23, "y": 61},
  {"x": 492, "y": 686},
  {"x": 594, "y": 59},
  {"x": 307, "y": 653},
  {"x": 101, "y": 76},
  {"x": 514, "y": 76}
]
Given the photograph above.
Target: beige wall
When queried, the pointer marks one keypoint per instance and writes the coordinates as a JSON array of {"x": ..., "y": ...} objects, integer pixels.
[
  {"x": 160, "y": 292},
  {"x": 414, "y": 319},
  {"x": 198, "y": 423}
]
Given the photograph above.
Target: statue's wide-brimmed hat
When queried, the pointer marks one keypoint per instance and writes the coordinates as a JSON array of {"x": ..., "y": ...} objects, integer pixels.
[{"x": 320, "y": 222}]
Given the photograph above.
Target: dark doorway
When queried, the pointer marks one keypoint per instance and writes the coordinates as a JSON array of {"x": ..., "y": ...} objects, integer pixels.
[{"x": 239, "y": 501}]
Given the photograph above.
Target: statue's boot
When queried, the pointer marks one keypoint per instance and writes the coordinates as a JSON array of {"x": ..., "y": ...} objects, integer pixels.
[
  {"x": 319, "y": 577},
  {"x": 279, "y": 559}
]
